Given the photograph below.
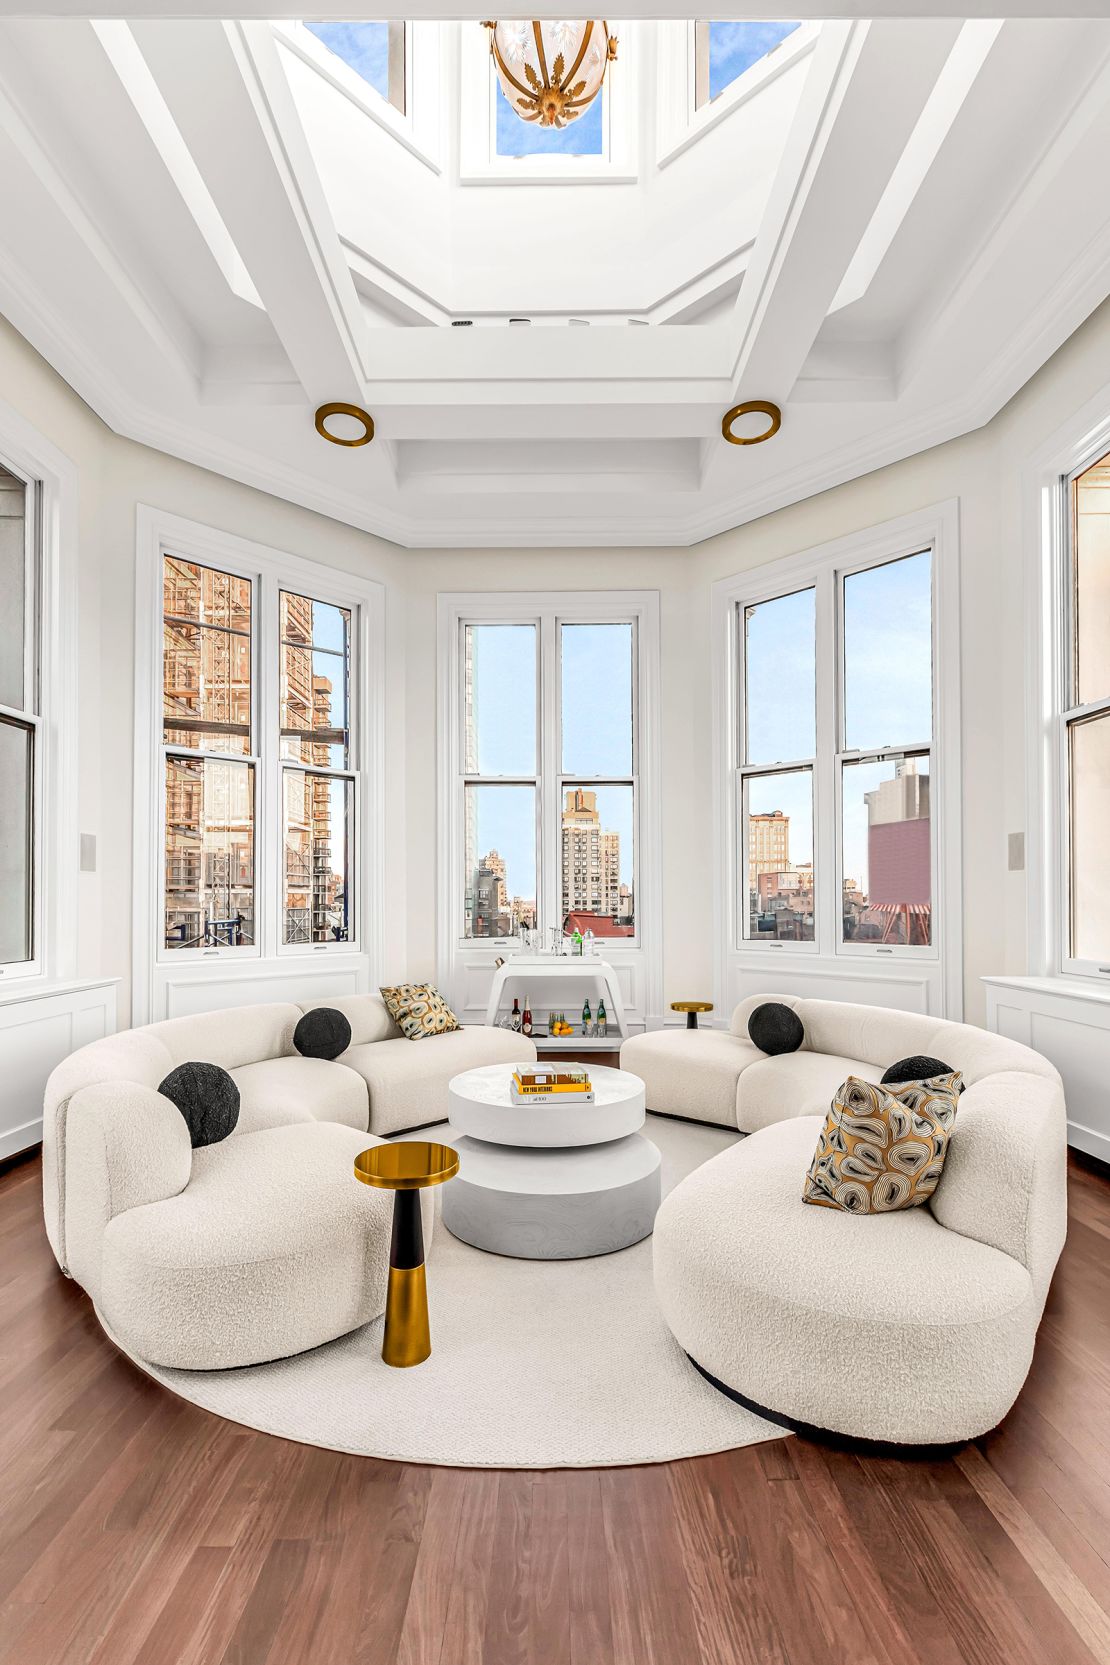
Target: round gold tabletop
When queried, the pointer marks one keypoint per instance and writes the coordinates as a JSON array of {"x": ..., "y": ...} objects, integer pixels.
[
  {"x": 691, "y": 1005},
  {"x": 410, "y": 1165}
]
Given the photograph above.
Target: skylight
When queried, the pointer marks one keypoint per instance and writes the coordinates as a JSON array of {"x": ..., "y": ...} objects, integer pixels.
[
  {"x": 724, "y": 50},
  {"x": 584, "y": 137},
  {"x": 374, "y": 50}
]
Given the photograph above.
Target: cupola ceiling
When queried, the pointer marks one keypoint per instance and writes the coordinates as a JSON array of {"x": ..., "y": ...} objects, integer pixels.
[{"x": 877, "y": 228}]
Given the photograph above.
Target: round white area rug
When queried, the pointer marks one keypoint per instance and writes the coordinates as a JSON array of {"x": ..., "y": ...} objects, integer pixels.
[{"x": 535, "y": 1364}]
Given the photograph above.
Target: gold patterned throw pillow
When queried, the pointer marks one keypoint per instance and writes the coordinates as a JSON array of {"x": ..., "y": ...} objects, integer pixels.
[
  {"x": 419, "y": 1010},
  {"x": 883, "y": 1148}
]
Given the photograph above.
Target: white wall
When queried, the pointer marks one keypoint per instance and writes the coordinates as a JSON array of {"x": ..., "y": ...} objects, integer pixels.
[
  {"x": 114, "y": 476},
  {"x": 982, "y": 470}
]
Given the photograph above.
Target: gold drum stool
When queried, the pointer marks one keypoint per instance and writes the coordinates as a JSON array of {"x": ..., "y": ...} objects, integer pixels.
[
  {"x": 691, "y": 1008},
  {"x": 406, "y": 1169}
]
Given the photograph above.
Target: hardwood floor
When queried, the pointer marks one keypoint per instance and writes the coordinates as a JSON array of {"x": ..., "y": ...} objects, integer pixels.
[{"x": 137, "y": 1530}]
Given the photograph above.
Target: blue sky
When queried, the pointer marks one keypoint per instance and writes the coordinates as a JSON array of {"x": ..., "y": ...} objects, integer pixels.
[
  {"x": 365, "y": 46},
  {"x": 527, "y": 138},
  {"x": 734, "y": 47},
  {"x": 888, "y": 701},
  {"x": 597, "y": 734},
  {"x": 887, "y": 693}
]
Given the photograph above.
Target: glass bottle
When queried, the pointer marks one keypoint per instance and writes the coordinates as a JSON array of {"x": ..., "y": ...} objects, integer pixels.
[
  {"x": 602, "y": 1020},
  {"x": 526, "y": 1020},
  {"x": 515, "y": 1018},
  {"x": 586, "y": 1017}
]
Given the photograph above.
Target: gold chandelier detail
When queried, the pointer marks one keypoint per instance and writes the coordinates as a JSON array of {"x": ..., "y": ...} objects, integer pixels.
[{"x": 552, "y": 71}]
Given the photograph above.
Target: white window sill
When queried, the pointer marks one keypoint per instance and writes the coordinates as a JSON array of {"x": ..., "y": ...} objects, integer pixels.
[
  {"x": 1059, "y": 987},
  {"x": 44, "y": 988}
]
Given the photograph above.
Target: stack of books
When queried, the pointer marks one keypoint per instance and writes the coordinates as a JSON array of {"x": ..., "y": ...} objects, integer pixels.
[{"x": 539, "y": 1085}]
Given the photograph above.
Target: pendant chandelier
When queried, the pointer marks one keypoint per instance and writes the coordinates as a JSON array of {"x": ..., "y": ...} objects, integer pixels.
[{"x": 551, "y": 71}]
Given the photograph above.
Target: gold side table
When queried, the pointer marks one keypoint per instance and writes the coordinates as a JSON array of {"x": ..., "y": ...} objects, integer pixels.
[
  {"x": 406, "y": 1169},
  {"x": 691, "y": 1008}
]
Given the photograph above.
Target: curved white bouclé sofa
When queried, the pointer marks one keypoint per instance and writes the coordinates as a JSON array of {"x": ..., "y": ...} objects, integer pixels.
[
  {"x": 915, "y": 1327},
  {"x": 262, "y": 1245}
]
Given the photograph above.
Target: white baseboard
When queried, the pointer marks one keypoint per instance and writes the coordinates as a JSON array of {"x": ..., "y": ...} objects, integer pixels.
[
  {"x": 1089, "y": 1139},
  {"x": 16, "y": 1139}
]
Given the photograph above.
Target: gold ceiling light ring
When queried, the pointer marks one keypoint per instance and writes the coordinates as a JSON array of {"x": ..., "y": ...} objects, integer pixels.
[
  {"x": 752, "y": 407},
  {"x": 531, "y": 58},
  {"x": 356, "y": 413}
]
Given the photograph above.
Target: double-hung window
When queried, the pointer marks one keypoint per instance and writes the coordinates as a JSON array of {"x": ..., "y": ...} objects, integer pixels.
[
  {"x": 835, "y": 850},
  {"x": 262, "y": 759},
  {"x": 548, "y": 768},
  {"x": 211, "y": 761},
  {"x": 547, "y": 776},
  {"x": 20, "y": 915},
  {"x": 1085, "y": 725}
]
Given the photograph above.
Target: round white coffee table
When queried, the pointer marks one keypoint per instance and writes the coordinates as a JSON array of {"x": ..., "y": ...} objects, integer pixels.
[
  {"x": 550, "y": 1182},
  {"x": 479, "y": 1104}
]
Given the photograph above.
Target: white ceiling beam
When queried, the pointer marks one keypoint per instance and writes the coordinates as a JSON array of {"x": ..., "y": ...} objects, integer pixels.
[
  {"x": 227, "y": 93},
  {"x": 1055, "y": 230},
  {"x": 940, "y": 117},
  {"x": 47, "y": 198},
  {"x": 866, "y": 88}
]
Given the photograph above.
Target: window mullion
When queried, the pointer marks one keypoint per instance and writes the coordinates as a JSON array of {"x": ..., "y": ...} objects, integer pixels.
[
  {"x": 549, "y": 787},
  {"x": 827, "y": 861}
]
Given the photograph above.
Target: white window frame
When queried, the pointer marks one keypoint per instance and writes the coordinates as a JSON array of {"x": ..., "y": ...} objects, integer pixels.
[
  {"x": 548, "y": 611},
  {"x": 931, "y": 977},
  {"x": 51, "y": 639},
  {"x": 270, "y": 572},
  {"x": 1048, "y": 479},
  {"x": 479, "y": 163},
  {"x": 419, "y": 126},
  {"x": 679, "y": 121}
]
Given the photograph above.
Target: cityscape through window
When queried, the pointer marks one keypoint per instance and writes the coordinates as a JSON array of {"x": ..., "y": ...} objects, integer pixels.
[
  {"x": 1087, "y": 718},
  {"x": 18, "y": 726},
  {"x": 210, "y": 799},
  {"x": 586, "y": 820},
  {"x": 877, "y": 767},
  {"x": 216, "y": 734}
]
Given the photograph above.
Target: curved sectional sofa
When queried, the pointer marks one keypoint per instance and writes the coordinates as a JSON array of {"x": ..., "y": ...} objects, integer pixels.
[
  {"x": 262, "y": 1245},
  {"x": 915, "y": 1327}
]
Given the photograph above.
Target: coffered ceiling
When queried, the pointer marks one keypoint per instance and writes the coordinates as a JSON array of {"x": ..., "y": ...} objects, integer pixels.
[{"x": 885, "y": 232}]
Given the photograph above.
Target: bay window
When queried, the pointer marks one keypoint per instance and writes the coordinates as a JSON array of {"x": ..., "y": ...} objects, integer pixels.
[
  {"x": 221, "y": 733},
  {"x": 1085, "y": 724},
  {"x": 839, "y": 682},
  {"x": 19, "y": 724},
  {"x": 259, "y": 713},
  {"x": 590, "y": 796},
  {"x": 543, "y": 758}
]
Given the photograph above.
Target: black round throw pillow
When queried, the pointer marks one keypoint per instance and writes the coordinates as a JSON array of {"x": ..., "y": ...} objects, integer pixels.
[
  {"x": 207, "y": 1098},
  {"x": 919, "y": 1067},
  {"x": 775, "y": 1028},
  {"x": 322, "y": 1033}
]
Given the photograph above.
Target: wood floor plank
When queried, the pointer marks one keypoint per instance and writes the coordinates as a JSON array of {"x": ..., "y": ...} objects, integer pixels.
[
  {"x": 136, "y": 1529},
  {"x": 1088, "y": 1617},
  {"x": 591, "y": 1625}
]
